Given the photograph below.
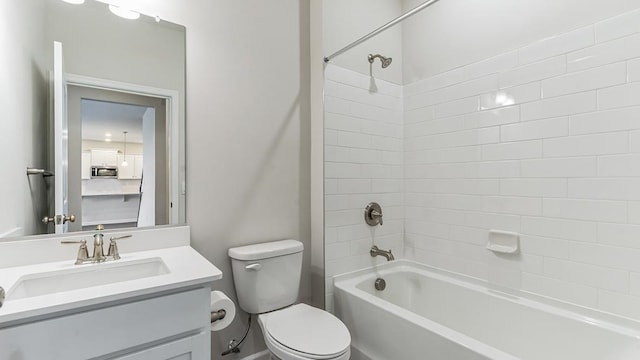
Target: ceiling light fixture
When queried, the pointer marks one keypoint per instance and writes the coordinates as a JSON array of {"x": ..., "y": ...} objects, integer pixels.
[
  {"x": 124, "y": 13},
  {"x": 124, "y": 158}
]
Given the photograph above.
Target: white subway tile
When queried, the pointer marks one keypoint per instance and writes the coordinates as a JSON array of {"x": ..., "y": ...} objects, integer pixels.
[
  {"x": 556, "y": 45},
  {"x": 513, "y": 150},
  {"x": 336, "y": 202},
  {"x": 619, "y": 96},
  {"x": 336, "y": 154},
  {"x": 489, "y": 221},
  {"x": 615, "y": 27},
  {"x": 386, "y": 186},
  {"x": 426, "y": 228},
  {"x": 472, "y": 87},
  {"x": 596, "y": 78},
  {"x": 621, "y": 304},
  {"x": 342, "y": 170},
  {"x": 492, "y": 65},
  {"x": 447, "y": 262},
  {"x": 544, "y": 246},
  {"x": 605, "y": 53},
  {"x": 586, "y": 274},
  {"x": 533, "y": 264},
  {"x": 473, "y": 186},
  {"x": 342, "y": 218},
  {"x": 354, "y": 140},
  {"x": 426, "y": 99},
  {"x": 563, "y": 290},
  {"x": 498, "y": 169},
  {"x": 634, "y": 212},
  {"x": 561, "y": 167},
  {"x": 469, "y": 235},
  {"x": 597, "y": 144},
  {"x": 633, "y": 67},
  {"x": 536, "y": 71},
  {"x": 634, "y": 141},
  {"x": 342, "y": 75},
  {"x": 534, "y": 187},
  {"x": 352, "y": 232},
  {"x": 603, "y": 255},
  {"x": 619, "y": 165},
  {"x": 437, "y": 126},
  {"x": 457, "y": 202},
  {"x": 538, "y": 129},
  {"x": 623, "y": 235},
  {"x": 336, "y": 251},
  {"x": 330, "y": 136},
  {"x": 341, "y": 122},
  {"x": 457, "y": 107},
  {"x": 560, "y": 106},
  {"x": 350, "y": 186},
  {"x": 605, "y": 188},
  {"x": 559, "y": 228},
  {"x": 500, "y": 116},
  {"x": 579, "y": 209},
  {"x": 418, "y": 115},
  {"x": 511, "y": 96},
  {"x": 428, "y": 243},
  {"x": 364, "y": 156},
  {"x": 605, "y": 121},
  {"x": 634, "y": 284},
  {"x": 330, "y": 186},
  {"x": 512, "y": 205}
]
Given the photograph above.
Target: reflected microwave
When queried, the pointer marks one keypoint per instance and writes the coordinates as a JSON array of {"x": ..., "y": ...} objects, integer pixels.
[{"x": 104, "y": 172}]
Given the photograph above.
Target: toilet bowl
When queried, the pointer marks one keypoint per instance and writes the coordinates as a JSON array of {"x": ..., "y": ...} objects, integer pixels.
[
  {"x": 267, "y": 281},
  {"x": 302, "y": 332}
]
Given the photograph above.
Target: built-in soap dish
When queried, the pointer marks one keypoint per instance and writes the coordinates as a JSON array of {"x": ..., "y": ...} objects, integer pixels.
[{"x": 504, "y": 242}]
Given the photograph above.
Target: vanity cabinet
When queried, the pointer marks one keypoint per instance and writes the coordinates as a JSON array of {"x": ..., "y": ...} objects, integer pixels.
[{"x": 167, "y": 326}]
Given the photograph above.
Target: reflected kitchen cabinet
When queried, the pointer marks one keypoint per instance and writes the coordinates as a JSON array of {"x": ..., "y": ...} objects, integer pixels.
[
  {"x": 104, "y": 157},
  {"x": 133, "y": 170},
  {"x": 85, "y": 171}
]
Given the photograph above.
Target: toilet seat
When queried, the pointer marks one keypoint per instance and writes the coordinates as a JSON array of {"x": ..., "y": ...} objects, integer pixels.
[{"x": 302, "y": 332}]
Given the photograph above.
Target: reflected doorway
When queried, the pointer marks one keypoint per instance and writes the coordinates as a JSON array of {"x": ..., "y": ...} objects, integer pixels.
[{"x": 118, "y": 174}]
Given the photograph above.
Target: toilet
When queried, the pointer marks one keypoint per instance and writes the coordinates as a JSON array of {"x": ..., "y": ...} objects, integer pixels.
[{"x": 267, "y": 281}]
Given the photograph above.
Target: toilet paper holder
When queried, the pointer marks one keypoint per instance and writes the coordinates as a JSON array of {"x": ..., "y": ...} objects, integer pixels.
[{"x": 218, "y": 315}]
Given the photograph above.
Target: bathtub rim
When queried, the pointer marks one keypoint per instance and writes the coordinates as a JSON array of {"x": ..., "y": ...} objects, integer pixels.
[{"x": 613, "y": 322}]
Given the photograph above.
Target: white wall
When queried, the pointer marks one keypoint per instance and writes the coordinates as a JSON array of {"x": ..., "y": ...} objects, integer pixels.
[
  {"x": 363, "y": 163},
  {"x": 453, "y": 33},
  {"x": 542, "y": 141},
  {"x": 247, "y": 130},
  {"x": 23, "y": 129},
  {"x": 347, "y": 21}
]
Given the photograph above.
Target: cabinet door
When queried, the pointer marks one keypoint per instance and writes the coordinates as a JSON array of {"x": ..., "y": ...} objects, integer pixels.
[
  {"x": 104, "y": 157},
  {"x": 126, "y": 172},
  {"x": 137, "y": 169},
  {"x": 192, "y": 348},
  {"x": 97, "y": 157},
  {"x": 85, "y": 171}
]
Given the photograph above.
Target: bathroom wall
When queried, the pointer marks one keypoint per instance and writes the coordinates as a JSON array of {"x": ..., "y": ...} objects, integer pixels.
[
  {"x": 450, "y": 34},
  {"x": 247, "y": 131},
  {"x": 363, "y": 163},
  {"x": 23, "y": 127},
  {"x": 543, "y": 140},
  {"x": 348, "y": 21}
]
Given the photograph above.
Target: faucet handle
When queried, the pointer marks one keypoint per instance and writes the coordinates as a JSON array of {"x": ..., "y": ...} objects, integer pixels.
[
  {"x": 113, "y": 246},
  {"x": 83, "y": 252}
]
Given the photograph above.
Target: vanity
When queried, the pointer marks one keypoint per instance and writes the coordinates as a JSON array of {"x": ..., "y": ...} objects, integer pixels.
[{"x": 152, "y": 303}]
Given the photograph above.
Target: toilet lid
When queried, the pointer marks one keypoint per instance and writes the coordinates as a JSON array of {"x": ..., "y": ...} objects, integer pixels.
[{"x": 308, "y": 330}]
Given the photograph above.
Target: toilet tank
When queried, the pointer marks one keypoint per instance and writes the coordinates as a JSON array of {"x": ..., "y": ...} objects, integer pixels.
[{"x": 267, "y": 275}]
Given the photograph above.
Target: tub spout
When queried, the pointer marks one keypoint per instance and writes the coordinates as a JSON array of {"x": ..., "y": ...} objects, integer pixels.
[{"x": 375, "y": 251}]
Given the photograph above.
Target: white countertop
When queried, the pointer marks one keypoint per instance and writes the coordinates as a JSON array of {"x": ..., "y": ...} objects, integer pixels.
[{"x": 186, "y": 268}]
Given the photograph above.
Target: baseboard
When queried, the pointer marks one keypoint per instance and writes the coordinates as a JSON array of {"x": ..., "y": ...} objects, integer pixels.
[{"x": 262, "y": 355}]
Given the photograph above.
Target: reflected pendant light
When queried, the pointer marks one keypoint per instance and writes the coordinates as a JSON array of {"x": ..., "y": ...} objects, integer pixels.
[{"x": 124, "y": 158}]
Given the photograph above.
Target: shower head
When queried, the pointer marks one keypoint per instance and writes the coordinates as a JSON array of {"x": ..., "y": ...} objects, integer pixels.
[{"x": 386, "y": 61}]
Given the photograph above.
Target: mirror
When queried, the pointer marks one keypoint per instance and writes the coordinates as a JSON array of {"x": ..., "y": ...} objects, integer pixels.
[{"x": 123, "y": 76}]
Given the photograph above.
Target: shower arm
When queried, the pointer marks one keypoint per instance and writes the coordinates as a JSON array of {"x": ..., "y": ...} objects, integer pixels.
[{"x": 382, "y": 28}]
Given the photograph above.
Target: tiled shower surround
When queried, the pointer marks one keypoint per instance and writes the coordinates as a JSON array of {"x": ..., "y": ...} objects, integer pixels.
[{"x": 543, "y": 141}]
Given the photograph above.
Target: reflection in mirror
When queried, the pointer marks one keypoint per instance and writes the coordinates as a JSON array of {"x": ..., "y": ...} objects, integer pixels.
[{"x": 101, "y": 51}]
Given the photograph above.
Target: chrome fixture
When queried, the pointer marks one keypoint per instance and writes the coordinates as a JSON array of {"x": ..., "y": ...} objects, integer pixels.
[
  {"x": 373, "y": 214},
  {"x": 382, "y": 28},
  {"x": 98, "y": 250},
  {"x": 2, "y": 294},
  {"x": 375, "y": 251},
  {"x": 218, "y": 315},
  {"x": 386, "y": 61},
  {"x": 58, "y": 219},
  {"x": 380, "y": 284},
  {"x": 43, "y": 172}
]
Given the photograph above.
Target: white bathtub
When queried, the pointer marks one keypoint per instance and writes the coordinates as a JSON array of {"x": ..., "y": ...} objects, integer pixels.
[{"x": 426, "y": 313}]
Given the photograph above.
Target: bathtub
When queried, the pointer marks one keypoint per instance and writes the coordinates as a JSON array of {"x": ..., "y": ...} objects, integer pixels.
[{"x": 426, "y": 313}]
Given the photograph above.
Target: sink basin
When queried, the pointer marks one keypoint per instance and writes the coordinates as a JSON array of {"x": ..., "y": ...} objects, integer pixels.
[{"x": 85, "y": 276}]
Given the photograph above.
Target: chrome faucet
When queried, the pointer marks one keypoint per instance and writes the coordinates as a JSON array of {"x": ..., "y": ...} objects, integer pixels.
[
  {"x": 375, "y": 251},
  {"x": 98, "y": 249}
]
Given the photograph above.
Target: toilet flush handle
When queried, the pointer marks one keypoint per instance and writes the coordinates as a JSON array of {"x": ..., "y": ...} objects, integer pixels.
[{"x": 254, "y": 266}]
